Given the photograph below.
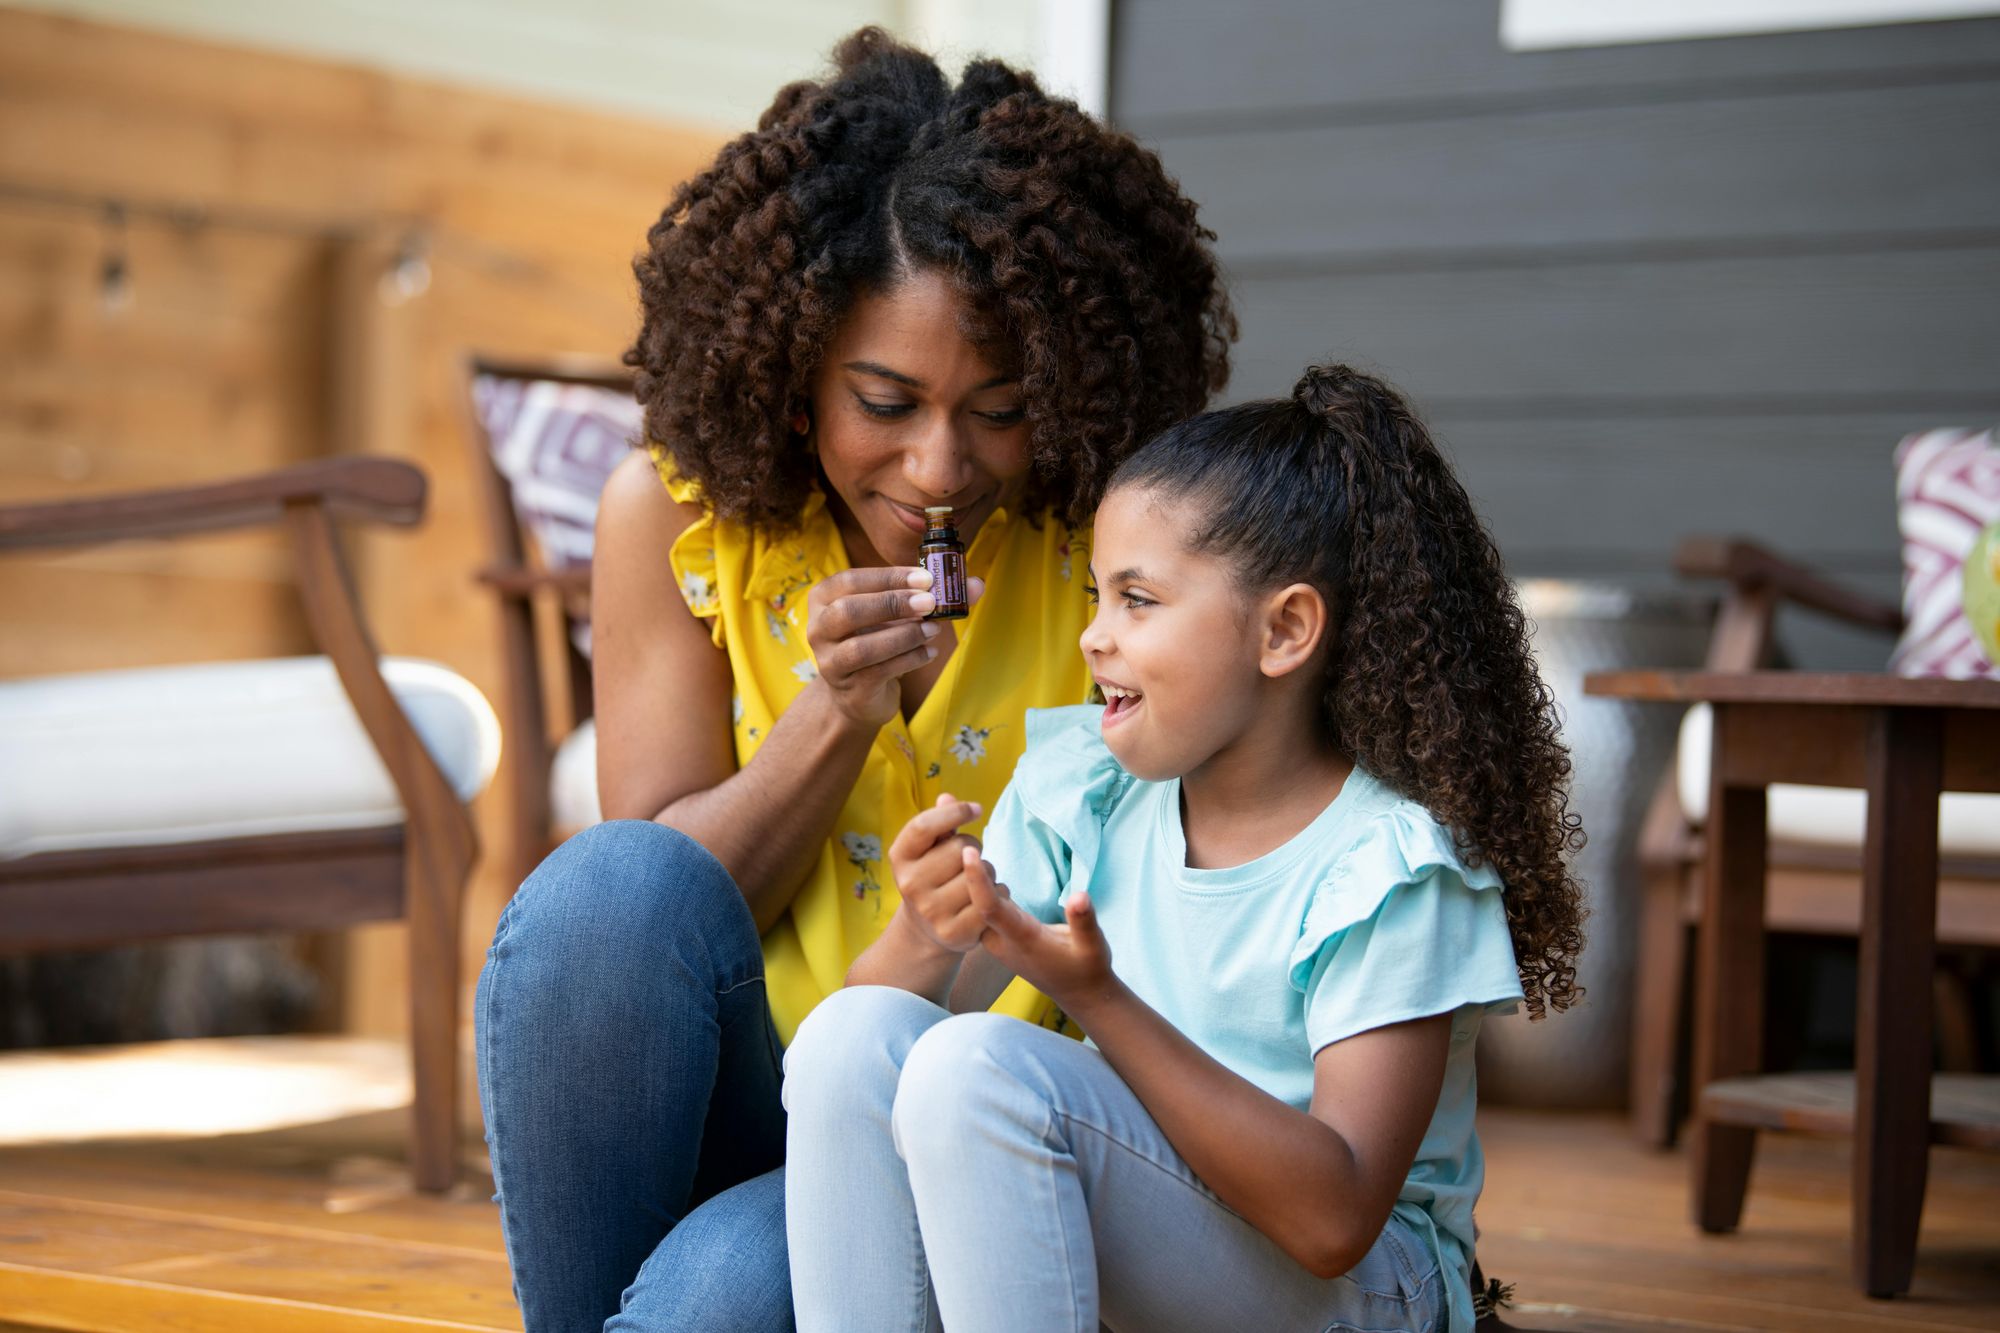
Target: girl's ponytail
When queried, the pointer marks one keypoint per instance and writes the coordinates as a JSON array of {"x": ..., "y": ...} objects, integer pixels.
[{"x": 1430, "y": 685}]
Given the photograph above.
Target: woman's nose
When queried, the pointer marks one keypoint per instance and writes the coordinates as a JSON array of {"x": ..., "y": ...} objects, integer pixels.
[{"x": 939, "y": 465}]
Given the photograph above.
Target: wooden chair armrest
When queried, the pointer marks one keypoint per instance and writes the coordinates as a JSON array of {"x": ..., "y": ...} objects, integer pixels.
[
  {"x": 381, "y": 490},
  {"x": 1753, "y": 569},
  {"x": 519, "y": 582}
]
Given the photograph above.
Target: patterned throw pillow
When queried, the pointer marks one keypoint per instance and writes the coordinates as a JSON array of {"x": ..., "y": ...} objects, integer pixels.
[
  {"x": 1947, "y": 505},
  {"x": 556, "y": 444}
]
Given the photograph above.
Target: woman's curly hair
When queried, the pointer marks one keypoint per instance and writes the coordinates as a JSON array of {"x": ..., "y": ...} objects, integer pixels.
[
  {"x": 1430, "y": 685},
  {"x": 1069, "y": 242}
]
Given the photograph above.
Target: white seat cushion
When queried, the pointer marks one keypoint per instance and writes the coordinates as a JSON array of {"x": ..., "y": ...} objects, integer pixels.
[
  {"x": 1968, "y": 822},
  {"x": 218, "y": 750},
  {"x": 573, "y": 781}
]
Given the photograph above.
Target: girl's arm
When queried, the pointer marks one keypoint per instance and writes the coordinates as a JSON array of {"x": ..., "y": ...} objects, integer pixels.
[
  {"x": 665, "y": 751},
  {"x": 1319, "y": 1183}
]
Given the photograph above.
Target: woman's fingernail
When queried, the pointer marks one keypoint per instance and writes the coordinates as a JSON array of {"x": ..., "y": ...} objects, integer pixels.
[
  {"x": 976, "y": 808},
  {"x": 923, "y": 604},
  {"x": 920, "y": 578},
  {"x": 932, "y": 629},
  {"x": 929, "y": 654}
]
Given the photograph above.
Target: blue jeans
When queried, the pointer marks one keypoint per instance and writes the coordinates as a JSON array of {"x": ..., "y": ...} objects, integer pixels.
[
  {"x": 983, "y": 1175},
  {"x": 629, "y": 1076}
]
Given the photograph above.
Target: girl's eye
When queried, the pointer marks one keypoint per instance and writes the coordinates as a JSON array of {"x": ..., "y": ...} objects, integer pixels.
[
  {"x": 884, "y": 411},
  {"x": 1090, "y": 591},
  {"x": 1013, "y": 416},
  {"x": 1133, "y": 601}
]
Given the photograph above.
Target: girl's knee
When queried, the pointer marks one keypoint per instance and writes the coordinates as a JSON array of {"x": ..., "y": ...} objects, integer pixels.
[
  {"x": 962, "y": 1073},
  {"x": 853, "y": 1044}
]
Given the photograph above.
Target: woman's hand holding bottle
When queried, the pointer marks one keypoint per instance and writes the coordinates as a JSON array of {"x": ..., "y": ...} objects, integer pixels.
[{"x": 867, "y": 631}]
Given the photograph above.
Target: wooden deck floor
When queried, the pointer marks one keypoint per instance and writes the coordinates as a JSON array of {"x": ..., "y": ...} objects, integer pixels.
[{"x": 312, "y": 1229}]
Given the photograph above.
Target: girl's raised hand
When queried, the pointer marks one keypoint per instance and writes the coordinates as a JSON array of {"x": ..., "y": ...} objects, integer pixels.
[
  {"x": 927, "y": 859},
  {"x": 1062, "y": 962},
  {"x": 867, "y": 630}
]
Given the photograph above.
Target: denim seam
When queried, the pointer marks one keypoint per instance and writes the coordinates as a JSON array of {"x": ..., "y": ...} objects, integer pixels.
[
  {"x": 737, "y": 986},
  {"x": 1053, "y": 1136},
  {"x": 1412, "y": 1280},
  {"x": 491, "y": 1114},
  {"x": 1189, "y": 1180}
]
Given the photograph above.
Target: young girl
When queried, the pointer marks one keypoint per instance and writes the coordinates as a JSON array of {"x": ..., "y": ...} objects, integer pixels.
[{"x": 1316, "y": 832}]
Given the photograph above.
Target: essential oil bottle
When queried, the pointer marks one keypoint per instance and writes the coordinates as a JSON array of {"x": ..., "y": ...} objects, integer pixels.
[{"x": 943, "y": 555}]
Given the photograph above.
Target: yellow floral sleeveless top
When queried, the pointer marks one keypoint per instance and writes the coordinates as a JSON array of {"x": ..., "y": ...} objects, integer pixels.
[{"x": 1016, "y": 651}]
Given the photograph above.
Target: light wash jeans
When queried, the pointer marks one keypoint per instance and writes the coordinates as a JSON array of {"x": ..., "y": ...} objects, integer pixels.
[
  {"x": 628, "y": 1070},
  {"x": 983, "y": 1175}
]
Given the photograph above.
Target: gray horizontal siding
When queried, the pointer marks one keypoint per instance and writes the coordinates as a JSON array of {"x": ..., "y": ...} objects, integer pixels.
[
  {"x": 1179, "y": 64},
  {"x": 1640, "y": 291},
  {"x": 1836, "y": 165},
  {"x": 1662, "y": 336}
]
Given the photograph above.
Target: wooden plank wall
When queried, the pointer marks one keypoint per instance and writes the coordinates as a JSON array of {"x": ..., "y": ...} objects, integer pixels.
[
  {"x": 1641, "y": 291},
  {"x": 258, "y": 337}
]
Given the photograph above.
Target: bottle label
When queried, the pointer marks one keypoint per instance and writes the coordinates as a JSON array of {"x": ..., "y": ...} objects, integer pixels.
[{"x": 947, "y": 577}]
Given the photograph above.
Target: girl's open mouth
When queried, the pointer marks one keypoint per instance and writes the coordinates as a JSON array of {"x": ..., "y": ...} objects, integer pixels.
[{"x": 1119, "y": 703}]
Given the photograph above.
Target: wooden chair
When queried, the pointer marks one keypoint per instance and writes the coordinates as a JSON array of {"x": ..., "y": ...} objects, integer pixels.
[
  {"x": 413, "y": 870},
  {"x": 547, "y": 699},
  {"x": 1812, "y": 889}
]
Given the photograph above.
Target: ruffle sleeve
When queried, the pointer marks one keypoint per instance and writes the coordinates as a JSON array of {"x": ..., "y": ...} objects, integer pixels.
[
  {"x": 1047, "y": 828},
  {"x": 693, "y": 553},
  {"x": 1402, "y": 928}
]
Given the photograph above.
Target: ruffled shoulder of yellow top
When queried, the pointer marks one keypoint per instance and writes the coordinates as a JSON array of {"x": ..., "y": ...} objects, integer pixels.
[
  {"x": 693, "y": 552},
  {"x": 764, "y": 568}
]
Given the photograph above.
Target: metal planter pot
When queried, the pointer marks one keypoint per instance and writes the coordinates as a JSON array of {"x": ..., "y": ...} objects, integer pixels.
[{"x": 1580, "y": 1058}]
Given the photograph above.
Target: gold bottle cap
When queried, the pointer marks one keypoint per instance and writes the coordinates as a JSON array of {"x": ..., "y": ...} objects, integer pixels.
[{"x": 939, "y": 516}]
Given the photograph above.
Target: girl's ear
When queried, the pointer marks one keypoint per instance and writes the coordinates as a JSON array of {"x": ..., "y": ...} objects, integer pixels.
[{"x": 1294, "y": 621}]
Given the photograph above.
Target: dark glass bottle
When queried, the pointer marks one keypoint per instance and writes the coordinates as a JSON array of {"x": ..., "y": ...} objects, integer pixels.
[{"x": 943, "y": 555}]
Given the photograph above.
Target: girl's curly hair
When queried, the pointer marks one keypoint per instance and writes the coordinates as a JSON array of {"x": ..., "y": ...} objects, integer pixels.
[
  {"x": 1430, "y": 685},
  {"x": 1069, "y": 242}
]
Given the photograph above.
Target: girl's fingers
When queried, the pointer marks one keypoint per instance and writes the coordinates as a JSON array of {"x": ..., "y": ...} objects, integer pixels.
[
  {"x": 939, "y": 865},
  {"x": 927, "y": 827},
  {"x": 975, "y": 589},
  {"x": 1081, "y": 913},
  {"x": 967, "y": 926},
  {"x": 997, "y": 905}
]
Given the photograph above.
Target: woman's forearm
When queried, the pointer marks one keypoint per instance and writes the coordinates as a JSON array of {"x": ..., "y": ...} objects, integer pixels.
[
  {"x": 1290, "y": 1175},
  {"x": 768, "y": 822}
]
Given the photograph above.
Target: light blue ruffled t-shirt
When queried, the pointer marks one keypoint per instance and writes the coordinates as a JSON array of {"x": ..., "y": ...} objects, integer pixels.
[{"x": 1367, "y": 917}]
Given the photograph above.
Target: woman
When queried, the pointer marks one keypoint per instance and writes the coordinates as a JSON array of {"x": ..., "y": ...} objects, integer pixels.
[{"x": 893, "y": 294}]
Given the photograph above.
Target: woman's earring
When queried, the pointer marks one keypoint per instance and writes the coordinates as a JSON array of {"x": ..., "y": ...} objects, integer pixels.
[{"x": 801, "y": 423}]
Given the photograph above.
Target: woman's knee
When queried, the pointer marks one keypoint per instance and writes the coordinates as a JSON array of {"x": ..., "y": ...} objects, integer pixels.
[
  {"x": 853, "y": 1044},
  {"x": 628, "y": 893}
]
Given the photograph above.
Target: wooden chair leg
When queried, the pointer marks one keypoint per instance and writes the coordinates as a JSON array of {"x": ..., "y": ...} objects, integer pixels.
[
  {"x": 1892, "y": 1081},
  {"x": 1730, "y": 992},
  {"x": 1659, "y": 1010},
  {"x": 435, "y": 890}
]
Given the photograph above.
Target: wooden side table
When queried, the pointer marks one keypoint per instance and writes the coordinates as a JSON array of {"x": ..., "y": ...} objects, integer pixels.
[{"x": 1905, "y": 741}]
